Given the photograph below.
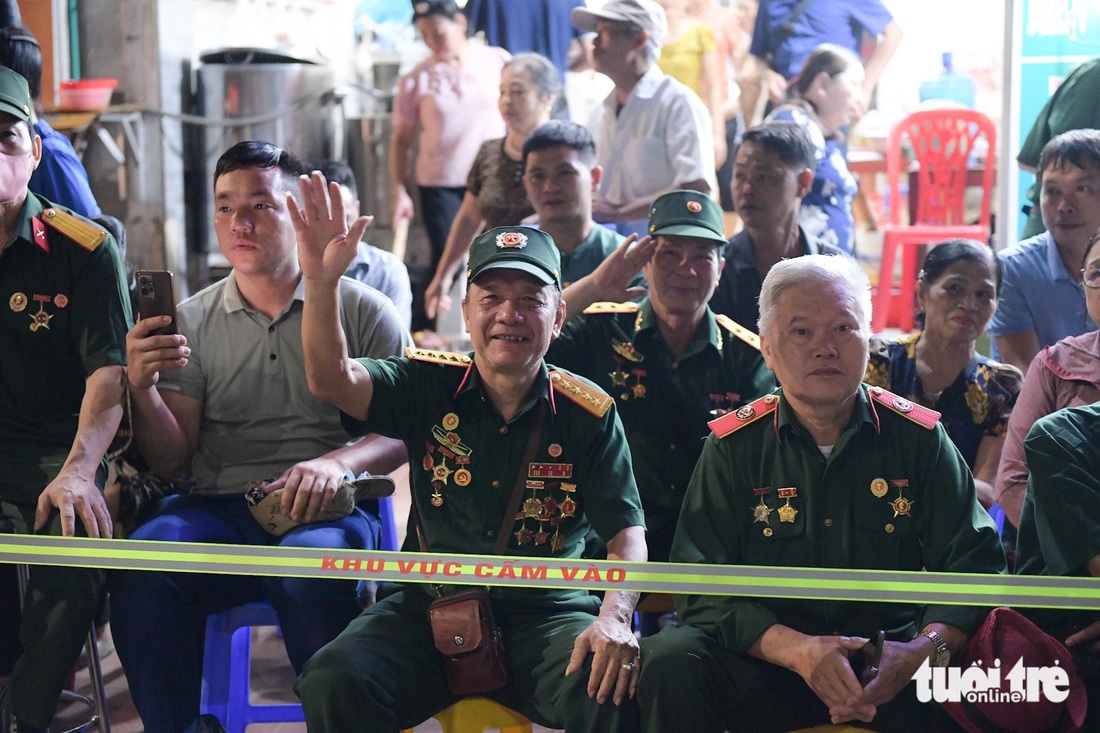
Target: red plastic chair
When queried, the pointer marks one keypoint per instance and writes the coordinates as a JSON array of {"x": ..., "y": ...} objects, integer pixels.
[{"x": 942, "y": 141}]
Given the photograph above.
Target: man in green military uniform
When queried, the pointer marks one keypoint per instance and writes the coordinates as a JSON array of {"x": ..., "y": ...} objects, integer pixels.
[
  {"x": 65, "y": 313},
  {"x": 1060, "y": 529},
  {"x": 668, "y": 361},
  {"x": 824, "y": 473},
  {"x": 467, "y": 422}
]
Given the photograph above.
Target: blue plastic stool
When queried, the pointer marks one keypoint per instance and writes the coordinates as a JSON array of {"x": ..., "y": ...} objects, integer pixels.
[
  {"x": 227, "y": 668},
  {"x": 227, "y": 656},
  {"x": 998, "y": 516}
]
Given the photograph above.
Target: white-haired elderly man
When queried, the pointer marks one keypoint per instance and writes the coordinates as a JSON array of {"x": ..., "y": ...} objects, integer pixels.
[
  {"x": 653, "y": 134},
  {"x": 827, "y": 473}
]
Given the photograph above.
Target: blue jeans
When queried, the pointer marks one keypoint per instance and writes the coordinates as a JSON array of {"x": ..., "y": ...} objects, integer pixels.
[{"x": 158, "y": 619}]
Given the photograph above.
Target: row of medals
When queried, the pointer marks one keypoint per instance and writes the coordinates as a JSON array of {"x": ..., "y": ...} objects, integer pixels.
[{"x": 450, "y": 446}]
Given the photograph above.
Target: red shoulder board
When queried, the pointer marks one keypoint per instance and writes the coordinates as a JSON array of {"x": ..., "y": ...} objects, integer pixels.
[
  {"x": 592, "y": 399},
  {"x": 742, "y": 416},
  {"x": 921, "y": 415}
]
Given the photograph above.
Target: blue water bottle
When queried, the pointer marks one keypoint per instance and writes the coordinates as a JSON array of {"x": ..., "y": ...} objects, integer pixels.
[{"x": 949, "y": 86}]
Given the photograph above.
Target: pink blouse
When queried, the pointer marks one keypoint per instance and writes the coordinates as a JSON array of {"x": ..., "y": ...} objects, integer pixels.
[
  {"x": 456, "y": 110},
  {"x": 1065, "y": 374}
]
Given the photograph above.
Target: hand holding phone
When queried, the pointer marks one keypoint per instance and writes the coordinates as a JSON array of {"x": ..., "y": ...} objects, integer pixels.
[
  {"x": 865, "y": 660},
  {"x": 155, "y": 297}
]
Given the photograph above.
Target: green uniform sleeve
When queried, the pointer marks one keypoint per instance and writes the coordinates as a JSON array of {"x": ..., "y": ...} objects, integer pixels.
[
  {"x": 703, "y": 535},
  {"x": 1066, "y": 496},
  {"x": 959, "y": 537},
  {"x": 99, "y": 332}
]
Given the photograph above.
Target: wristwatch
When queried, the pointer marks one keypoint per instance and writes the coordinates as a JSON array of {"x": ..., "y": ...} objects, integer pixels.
[{"x": 941, "y": 655}]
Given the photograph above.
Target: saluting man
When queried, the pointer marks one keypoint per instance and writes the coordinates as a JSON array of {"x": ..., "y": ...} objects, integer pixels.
[
  {"x": 826, "y": 473},
  {"x": 64, "y": 313},
  {"x": 509, "y": 456},
  {"x": 671, "y": 364}
]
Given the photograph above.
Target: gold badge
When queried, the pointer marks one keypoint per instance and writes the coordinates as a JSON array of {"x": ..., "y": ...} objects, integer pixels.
[
  {"x": 61, "y": 300},
  {"x": 41, "y": 319},
  {"x": 554, "y": 450},
  {"x": 463, "y": 477},
  {"x": 879, "y": 487},
  {"x": 787, "y": 513},
  {"x": 18, "y": 302},
  {"x": 437, "y": 498},
  {"x": 450, "y": 421},
  {"x": 901, "y": 506},
  {"x": 768, "y": 531},
  {"x": 694, "y": 207},
  {"x": 441, "y": 473},
  {"x": 639, "y": 391},
  {"x": 626, "y": 350},
  {"x": 511, "y": 240}
]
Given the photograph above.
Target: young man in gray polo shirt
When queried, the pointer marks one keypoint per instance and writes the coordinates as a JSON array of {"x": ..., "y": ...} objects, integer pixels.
[{"x": 227, "y": 398}]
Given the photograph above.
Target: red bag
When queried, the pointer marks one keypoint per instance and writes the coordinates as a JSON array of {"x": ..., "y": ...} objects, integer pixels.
[{"x": 469, "y": 639}]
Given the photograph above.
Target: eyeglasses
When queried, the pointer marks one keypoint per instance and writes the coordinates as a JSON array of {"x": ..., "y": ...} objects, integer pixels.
[{"x": 1091, "y": 276}]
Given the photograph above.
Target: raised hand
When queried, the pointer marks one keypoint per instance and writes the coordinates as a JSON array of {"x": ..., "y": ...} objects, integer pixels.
[{"x": 326, "y": 247}]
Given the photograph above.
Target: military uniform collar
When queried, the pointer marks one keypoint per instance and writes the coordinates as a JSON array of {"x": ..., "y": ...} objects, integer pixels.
[
  {"x": 709, "y": 333},
  {"x": 24, "y": 230},
  {"x": 540, "y": 388},
  {"x": 232, "y": 300},
  {"x": 786, "y": 422}
]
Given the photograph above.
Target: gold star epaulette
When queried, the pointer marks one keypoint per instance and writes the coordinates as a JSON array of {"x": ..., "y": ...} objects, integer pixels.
[
  {"x": 921, "y": 415},
  {"x": 742, "y": 416},
  {"x": 590, "y": 398},
  {"x": 84, "y": 233},
  {"x": 738, "y": 330},
  {"x": 609, "y": 307},
  {"x": 437, "y": 357}
]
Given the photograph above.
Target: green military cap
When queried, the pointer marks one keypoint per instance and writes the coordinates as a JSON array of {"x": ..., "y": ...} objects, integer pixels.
[
  {"x": 15, "y": 96},
  {"x": 686, "y": 214},
  {"x": 525, "y": 249}
]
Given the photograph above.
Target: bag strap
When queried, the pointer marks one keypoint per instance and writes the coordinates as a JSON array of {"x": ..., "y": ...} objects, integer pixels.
[
  {"x": 521, "y": 481},
  {"x": 517, "y": 491},
  {"x": 787, "y": 28}
]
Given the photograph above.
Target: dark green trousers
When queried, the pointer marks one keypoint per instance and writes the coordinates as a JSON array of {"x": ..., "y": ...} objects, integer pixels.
[
  {"x": 58, "y": 609},
  {"x": 383, "y": 673},
  {"x": 691, "y": 683}
]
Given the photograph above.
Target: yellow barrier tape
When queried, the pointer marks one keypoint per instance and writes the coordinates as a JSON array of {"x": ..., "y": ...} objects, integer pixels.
[{"x": 526, "y": 572}]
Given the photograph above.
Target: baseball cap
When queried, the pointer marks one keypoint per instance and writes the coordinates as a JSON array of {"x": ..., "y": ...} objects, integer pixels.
[
  {"x": 646, "y": 14},
  {"x": 686, "y": 214},
  {"x": 516, "y": 248},
  {"x": 424, "y": 8},
  {"x": 15, "y": 97}
]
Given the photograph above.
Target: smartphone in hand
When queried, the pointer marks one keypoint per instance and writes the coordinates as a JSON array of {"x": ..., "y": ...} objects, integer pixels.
[
  {"x": 155, "y": 297},
  {"x": 865, "y": 660}
]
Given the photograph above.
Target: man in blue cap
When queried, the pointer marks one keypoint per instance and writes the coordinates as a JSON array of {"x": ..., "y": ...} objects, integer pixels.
[
  {"x": 63, "y": 340},
  {"x": 466, "y": 420}
]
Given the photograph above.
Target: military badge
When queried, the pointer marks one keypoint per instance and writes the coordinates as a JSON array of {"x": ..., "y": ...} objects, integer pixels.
[
  {"x": 626, "y": 350},
  {"x": 554, "y": 450},
  {"x": 746, "y": 412},
  {"x": 61, "y": 300},
  {"x": 901, "y": 506},
  {"x": 511, "y": 240},
  {"x": 761, "y": 512},
  {"x": 694, "y": 207},
  {"x": 17, "y": 302},
  {"x": 787, "y": 513},
  {"x": 879, "y": 488}
]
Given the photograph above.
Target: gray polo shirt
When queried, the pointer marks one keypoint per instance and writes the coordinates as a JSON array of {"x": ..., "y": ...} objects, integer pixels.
[{"x": 258, "y": 415}]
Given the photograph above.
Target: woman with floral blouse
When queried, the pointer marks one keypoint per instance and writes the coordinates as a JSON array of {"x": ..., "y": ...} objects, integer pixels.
[{"x": 939, "y": 367}]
